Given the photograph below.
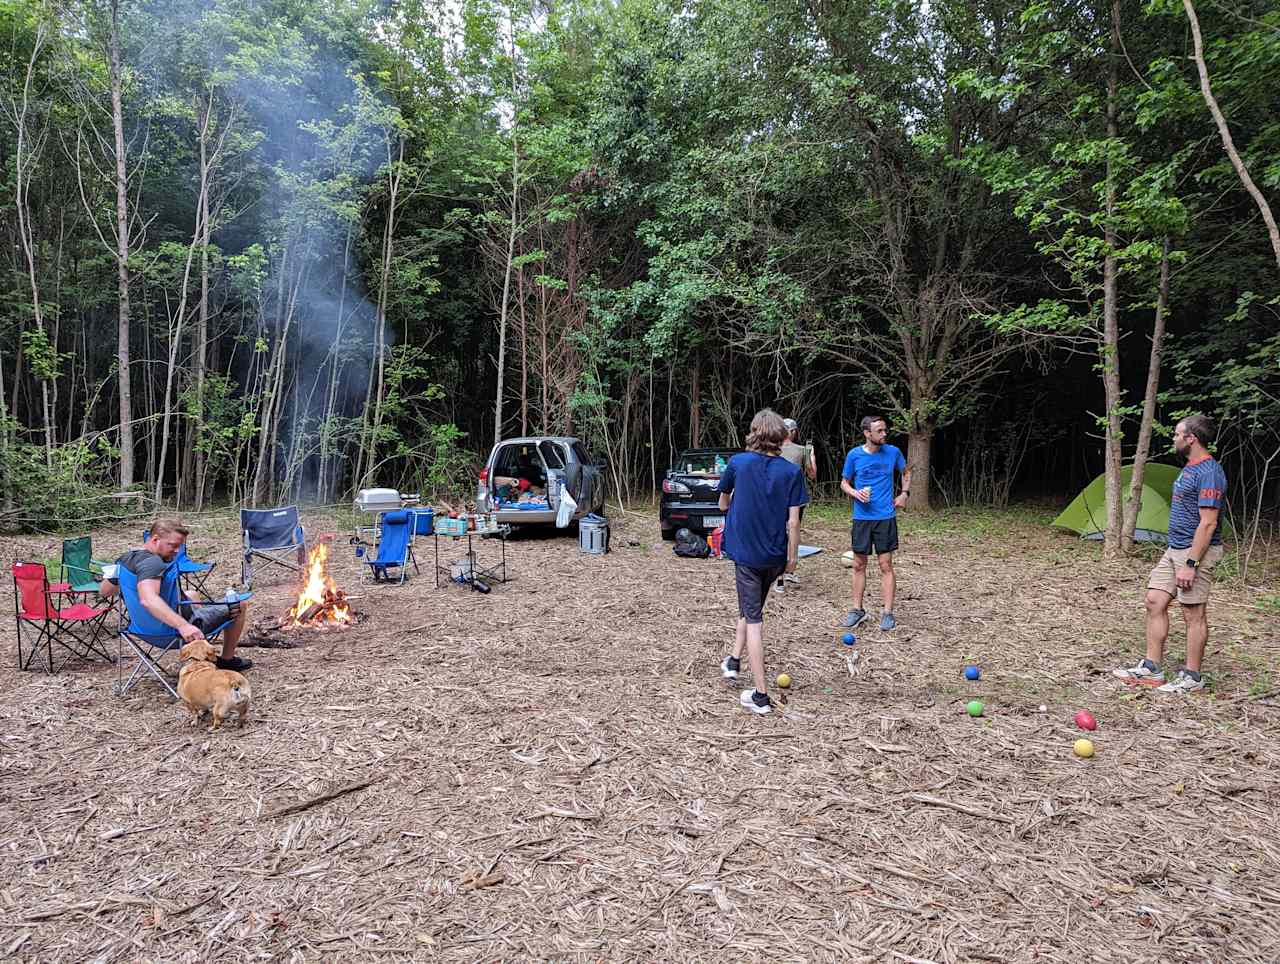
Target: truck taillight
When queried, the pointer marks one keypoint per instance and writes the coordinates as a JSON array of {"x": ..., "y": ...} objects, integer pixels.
[
  {"x": 484, "y": 474},
  {"x": 674, "y": 488}
]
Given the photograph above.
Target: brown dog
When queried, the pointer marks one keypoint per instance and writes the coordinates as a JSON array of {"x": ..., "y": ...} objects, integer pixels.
[{"x": 205, "y": 688}]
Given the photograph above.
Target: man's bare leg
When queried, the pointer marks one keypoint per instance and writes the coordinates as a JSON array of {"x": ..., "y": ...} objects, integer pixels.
[
  {"x": 888, "y": 580},
  {"x": 740, "y": 638},
  {"x": 231, "y": 635},
  {"x": 859, "y": 580},
  {"x": 1197, "y": 620},
  {"x": 755, "y": 653},
  {"x": 1157, "y": 603}
]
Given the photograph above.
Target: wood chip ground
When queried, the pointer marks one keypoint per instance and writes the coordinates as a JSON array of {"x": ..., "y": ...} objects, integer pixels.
[{"x": 557, "y": 771}]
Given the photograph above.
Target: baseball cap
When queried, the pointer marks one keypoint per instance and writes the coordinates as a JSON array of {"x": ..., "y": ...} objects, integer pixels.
[{"x": 790, "y": 423}]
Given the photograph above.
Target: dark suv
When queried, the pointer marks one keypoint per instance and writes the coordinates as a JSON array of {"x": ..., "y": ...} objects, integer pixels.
[{"x": 689, "y": 496}]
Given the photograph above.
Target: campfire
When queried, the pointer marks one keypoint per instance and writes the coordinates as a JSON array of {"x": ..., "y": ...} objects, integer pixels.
[{"x": 320, "y": 603}]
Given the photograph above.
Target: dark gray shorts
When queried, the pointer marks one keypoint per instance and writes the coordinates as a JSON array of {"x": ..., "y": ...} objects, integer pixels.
[
  {"x": 753, "y": 588},
  {"x": 208, "y": 618},
  {"x": 880, "y": 534}
]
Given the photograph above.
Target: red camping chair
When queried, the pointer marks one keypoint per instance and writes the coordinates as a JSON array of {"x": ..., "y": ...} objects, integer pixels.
[{"x": 77, "y": 629}]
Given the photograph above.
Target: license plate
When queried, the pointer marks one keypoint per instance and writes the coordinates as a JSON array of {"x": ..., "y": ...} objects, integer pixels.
[{"x": 711, "y": 521}]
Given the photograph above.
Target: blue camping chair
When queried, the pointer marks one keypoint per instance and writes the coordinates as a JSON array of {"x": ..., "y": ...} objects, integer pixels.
[
  {"x": 151, "y": 639},
  {"x": 395, "y": 547},
  {"x": 270, "y": 537},
  {"x": 193, "y": 574}
]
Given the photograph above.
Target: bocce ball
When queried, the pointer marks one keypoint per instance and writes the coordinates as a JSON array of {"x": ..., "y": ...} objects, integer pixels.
[
  {"x": 1085, "y": 720},
  {"x": 972, "y": 672},
  {"x": 784, "y": 680},
  {"x": 974, "y": 708},
  {"x": 848, "y": 639},
  {"x": 1084, "y": 748}
]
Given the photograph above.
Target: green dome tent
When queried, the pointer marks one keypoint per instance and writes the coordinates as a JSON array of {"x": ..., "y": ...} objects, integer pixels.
[{"x": 1087, "y": 513}]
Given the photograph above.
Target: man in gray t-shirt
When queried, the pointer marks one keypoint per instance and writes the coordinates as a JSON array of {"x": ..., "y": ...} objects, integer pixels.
[
  {"x": 800, "y": 456},
  {"x": 148, "y": 565}
]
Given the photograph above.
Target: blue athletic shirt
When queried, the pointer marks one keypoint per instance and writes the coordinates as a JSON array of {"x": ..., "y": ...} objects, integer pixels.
[
  {"x": 764, "y": 488},
  {"x": 1199, "y": 485},
  {"x": 863, "y": 468}
]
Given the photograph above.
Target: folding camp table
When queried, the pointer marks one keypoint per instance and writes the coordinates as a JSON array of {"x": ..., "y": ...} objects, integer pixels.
[{"x": 472, "y": 571}]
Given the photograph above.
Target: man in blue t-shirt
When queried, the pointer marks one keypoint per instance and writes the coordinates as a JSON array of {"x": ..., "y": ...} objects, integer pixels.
[
  {"x": 762, "y": 493},
  {"x": 868, "y": 480},
  {"x": 1183, "y": 572}
]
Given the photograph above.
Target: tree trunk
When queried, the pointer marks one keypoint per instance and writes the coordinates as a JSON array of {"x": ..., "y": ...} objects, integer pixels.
[
  {"x": 1148, "y": 405},
  {"x": 920, "y": 462},
  {"x": 25, "y": 154},
  {"x": 122, "y": 250},
  {"x": 1111, "y": 312},
  {"x": 395, "y": 170},
  {"x": 1225, "y": 133},
  {"x": 695, "y": 404},
  {"x": 506, "y": 289},
  {"x": 524, "y": 355},
  {"x": 194, "y": 457}
]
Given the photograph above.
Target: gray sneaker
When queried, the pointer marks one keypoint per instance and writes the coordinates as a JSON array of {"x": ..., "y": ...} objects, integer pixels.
[
  {"x": 1146, "y": 673},
  {"x": 887, "y": 622},
  {"x": 855, "y": 618},
  {"x": 1183, "y": 683},
  {"x": 729, "y": 667}
]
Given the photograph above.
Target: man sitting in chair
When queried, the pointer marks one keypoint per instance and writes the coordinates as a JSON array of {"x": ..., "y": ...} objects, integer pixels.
[{"x": 148, "y": 564}]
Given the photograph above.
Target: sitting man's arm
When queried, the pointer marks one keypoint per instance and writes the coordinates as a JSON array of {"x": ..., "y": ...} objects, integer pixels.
[
  {"x": 149, "y": 596},
  {"x": 107, "y": 589}
]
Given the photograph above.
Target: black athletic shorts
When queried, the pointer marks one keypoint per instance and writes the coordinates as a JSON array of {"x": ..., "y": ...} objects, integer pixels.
[
  {"x": 753, "y": 588},
  {"x": 879, "y": 533}
]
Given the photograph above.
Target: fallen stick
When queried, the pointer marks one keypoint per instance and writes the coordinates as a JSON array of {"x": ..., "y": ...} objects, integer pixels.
[
  {"x": 323, "y": 798},
  {"x": 960, "y": 807}
]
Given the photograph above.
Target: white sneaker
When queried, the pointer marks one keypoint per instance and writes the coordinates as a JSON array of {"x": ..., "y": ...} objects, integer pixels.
[
  {"x": 792, "y": 577},
  {"x": 1184, "y": 683},
  {"x": 748, "y": 699},
  {"x": 1140, "y": 675},
  {"x": 727, "y": 669},
  {"x": 779, "y": 587}
]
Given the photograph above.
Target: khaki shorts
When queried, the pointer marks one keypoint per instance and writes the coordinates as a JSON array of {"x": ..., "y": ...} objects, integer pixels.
[{"x": 1164, "y": 575}]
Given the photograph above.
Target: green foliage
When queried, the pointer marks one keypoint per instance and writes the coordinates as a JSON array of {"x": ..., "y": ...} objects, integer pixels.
[{"x": 72, "y": 493}]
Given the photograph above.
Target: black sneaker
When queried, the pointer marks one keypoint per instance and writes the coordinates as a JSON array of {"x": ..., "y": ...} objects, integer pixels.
[
  {"x": 729, "y": 668},
  {"x": 237, "y": 663},
  {"x": 756, "y": 702}
]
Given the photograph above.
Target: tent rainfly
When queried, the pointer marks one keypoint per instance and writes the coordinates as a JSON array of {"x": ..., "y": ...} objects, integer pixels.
[{"x": 1087, "y": 513}]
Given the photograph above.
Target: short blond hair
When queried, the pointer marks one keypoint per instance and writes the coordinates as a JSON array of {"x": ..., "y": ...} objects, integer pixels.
[{"x": 165, "y": 526}]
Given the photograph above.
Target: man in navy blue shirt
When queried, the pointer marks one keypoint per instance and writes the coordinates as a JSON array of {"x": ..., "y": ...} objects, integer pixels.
[
  {"x": 868, "y": 480},
  {"x": 762, "y": 493},
  {"x": 1183, "y": 572}
]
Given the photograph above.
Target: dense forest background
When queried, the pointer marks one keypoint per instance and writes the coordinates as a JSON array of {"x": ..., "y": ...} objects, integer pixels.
[{"x": 280, "y": 250}]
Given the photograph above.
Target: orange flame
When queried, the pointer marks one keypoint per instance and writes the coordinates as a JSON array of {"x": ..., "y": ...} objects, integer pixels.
[{"x": 319, "y": 590}]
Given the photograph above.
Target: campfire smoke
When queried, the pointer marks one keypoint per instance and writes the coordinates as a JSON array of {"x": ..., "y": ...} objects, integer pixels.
[{"x": 320, "y": 603}]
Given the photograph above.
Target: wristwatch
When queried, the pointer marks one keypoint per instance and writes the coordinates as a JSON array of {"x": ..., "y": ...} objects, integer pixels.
[{"x": 1191, "y": 563}]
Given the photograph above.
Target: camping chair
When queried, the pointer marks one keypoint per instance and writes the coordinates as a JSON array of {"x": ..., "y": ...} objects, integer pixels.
[
  {"x": 151, "y": 639},
  {"x": 81, "y": 571},
  {"x": 193, "y": 574},
  {"x": 395, "y": 547},
  {"x": 77, "y": 629},
  {"x": 270, "y": 535}
]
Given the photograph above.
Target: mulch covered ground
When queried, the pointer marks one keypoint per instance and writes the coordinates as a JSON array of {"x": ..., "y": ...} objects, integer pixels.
[{"x": 556, "y": 770}]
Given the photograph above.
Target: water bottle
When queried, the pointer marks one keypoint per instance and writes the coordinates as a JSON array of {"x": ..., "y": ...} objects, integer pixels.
[{"x": 232, "y": 599}]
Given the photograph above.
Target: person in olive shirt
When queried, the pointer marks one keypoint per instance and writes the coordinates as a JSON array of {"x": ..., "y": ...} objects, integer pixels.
[
  {"x": 148, "y": 565},
  {"x": 801, "y": 456}
]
